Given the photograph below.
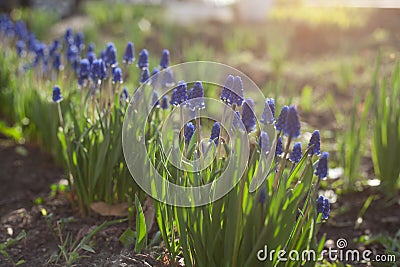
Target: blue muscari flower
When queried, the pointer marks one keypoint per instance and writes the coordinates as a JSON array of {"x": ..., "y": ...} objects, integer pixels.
[
  {"x": 91, "y": 56},
  {"x": 315, "y": 142},
  {"x": 57, "y": 97},
  {"x": 95, "y": 70},
  {"x": 292, "y": 126},
  {"x": 196, "y": 96},
  {"x": 40, "y": 50},
  {"x": 144, "y": 78},
  {"x": 281, "y": 122},
  {"x": 263, "y": 196},
  {"x": 57, "y": 62},
  {"x": 322, "y": 167},
  {"x": 164, "y": 102},
  {"x": 327, "y": 209},
  {"x": 84, "y": 69},
  {"x": 72, "y": 53},
  {"x": 279, "y": 147},
  {"x": 20, "y": 48},
  {"x": 179, "y": 94},
  {"x": 189, "y": 131},
  {"x": 237, "y": 94},
  {"x": 154, "y": 77},
  {"x": 54, "y": 47},
  {"x": 268, "y": 115},
  {"x": 21, "y": 30},
  {"x": 323, "y": 207},
  {"x": 155, "y": 101},
  {"x": 111, "y": 55},
  {"x": 69, "y": 36},
  {"x": 164, "y": 62},
  {"x": 320, "y": 204},
  {"x": 129, "y": 55},
  {"x": 168, "y": 78},
  {"x": 143, "y": 61},
  {"x": 227, "y": 88},
  {"x": 296, "y": 154},
  {"x": 264, "y": 142},
  {"x": 124, "y": 95},
  {"x": 32, "y": 42},
  {"x": 117, "y": 75},
  {"x": 248, "y": 118},
  {"x": 80, "y": 41},
  {"x": 91, "y": 47},
  {"x": 215, "y": 132}
]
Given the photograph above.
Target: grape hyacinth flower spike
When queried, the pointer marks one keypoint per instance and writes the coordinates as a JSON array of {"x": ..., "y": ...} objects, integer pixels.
[
  {"x": 248, "y": 118},
  {"x": 117, "y": 75},
  {"x": 84, "y": 71},
  {"x": 315, "y": 143},
  {"x": 129, "y": 55},
  {"x": 279, "y": 147},
  {"x": 144, "y": 78},
  {"x": 143, "y": 61},
  {"x": 124, "y": 97},
  {"x": 155, "y": 101},
  {"x": 57, "y": 97},
  {"x": 323, "y": 207},
  {"x": 292, "y": 125},
  {"x": 226, "y": 89},
  {"x": 322, "y": 167},
  {"x": 215, "y": 132},
  {"x": 111, "y": 55},
  {"x": 296, "y": 154},
  {"x": 164, "y": 62},
  {"x": 168, "y": 78},
  {"x": 179, "y": 94},
  {"x": 237, "y": 94},
  {"x": 189, "y": 131},
  {"x": 268, "y": 115},
  {"x": 196, "y": 96},
  {"x": 57, "y": 62},
  {"x": 164, "y": 102},
  {"x": 281, "y": 122}
]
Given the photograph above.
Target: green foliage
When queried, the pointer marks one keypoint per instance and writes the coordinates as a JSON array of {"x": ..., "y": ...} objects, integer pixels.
[
  {"x": 352, "y": 141},
  {"x": 386, "y": 130},
  {"x": 10, "y": 242},
  {"x": 231, "y": 230}
]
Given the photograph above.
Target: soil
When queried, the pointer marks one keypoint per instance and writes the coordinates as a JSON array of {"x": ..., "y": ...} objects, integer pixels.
[{"x": 26, "y": 174}]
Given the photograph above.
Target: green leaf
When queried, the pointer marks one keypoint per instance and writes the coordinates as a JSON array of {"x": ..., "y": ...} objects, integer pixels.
[
  {"x": 88, "y": 248},
  {"x": 128, "y": 237},
  {"x": 141, "y": 234}
]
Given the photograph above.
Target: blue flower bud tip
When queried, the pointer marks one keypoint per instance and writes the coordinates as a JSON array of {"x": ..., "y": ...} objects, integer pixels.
[
  {"x": 264, "y": 142},
  {"x": 57, "y": 97},
  {"x": 315, "y": 143},
  {"x": 296, "y": 154},
  {"x": 129, "y": 56},
  {"x": 292, "y": 125},
  {"x": 164, "y": 62},
  {"x": 215, "y": 132},
  {"x": 248, "y": 117},
  {"x": 189, "y": 131},
  {"x": 322, "y": 167}
]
